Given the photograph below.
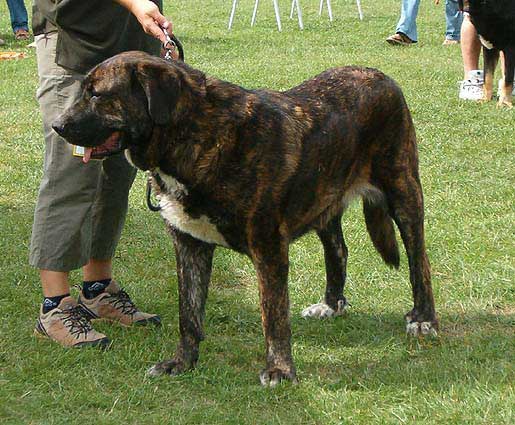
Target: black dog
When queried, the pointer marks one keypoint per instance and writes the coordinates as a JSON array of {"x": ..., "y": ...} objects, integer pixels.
[
  {"x": 495, "y": 22},
  {"x": 252, "y": 170}
]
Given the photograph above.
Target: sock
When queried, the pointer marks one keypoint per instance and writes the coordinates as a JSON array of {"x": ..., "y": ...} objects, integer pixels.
[
  {"x": 91, "y": 289},
  {"x": 49, "y": 303}
]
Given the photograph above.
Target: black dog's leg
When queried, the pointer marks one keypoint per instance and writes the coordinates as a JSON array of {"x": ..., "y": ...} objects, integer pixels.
[
  {"x": 505, "y": 99},
  {"x": 406, "y": 205},
  {"x": 194, "y": 262},
  {"x": 335, "y": 255},
  {"x": 270, "y": 257},
  {"x": 490, "y": 58}
]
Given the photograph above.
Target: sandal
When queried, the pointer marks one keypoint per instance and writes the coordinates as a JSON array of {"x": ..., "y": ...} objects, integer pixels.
[
  {"x": 21, "y": 34},
  {"x": 400, "y": 39}
]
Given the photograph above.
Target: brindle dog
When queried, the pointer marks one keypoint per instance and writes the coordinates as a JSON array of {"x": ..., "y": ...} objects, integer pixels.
[{"x": 252, "y": 170}]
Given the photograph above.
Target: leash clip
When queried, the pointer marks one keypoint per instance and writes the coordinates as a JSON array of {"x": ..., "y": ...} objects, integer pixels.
[{"x": 171, "y": 45}]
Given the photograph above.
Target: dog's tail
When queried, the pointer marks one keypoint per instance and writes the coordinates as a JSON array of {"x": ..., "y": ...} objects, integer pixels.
[{"x": 381, "y": 230}]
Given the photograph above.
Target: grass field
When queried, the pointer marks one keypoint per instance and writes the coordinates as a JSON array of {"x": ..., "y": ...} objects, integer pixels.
[{"x": 357, "y": 369}]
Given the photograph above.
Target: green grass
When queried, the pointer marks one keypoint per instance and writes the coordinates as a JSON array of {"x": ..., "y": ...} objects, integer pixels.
[{"x": 359, "y": 369}]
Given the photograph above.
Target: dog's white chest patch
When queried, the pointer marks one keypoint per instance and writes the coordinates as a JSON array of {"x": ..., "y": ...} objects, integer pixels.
[
  {"x": 172, "y": 210},
  {"x": 488, "y": 44}
]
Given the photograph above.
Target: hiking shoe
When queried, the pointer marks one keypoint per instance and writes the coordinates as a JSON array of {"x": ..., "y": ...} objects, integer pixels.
[
  {"x": 472, "y": 89},
  {"x": 400, "y": 39},
  {"x": 68, "y": 325},
  {"x": 114, "y": 304}
]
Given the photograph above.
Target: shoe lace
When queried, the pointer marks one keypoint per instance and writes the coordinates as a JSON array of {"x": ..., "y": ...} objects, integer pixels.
[
  {"x": 75, "y": 320},
  {"x": 122, "y": 301}
]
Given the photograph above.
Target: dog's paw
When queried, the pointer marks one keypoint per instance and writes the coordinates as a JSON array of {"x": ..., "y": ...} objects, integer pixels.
[
  {"x": 168, "y": 367},
  {"x": 421, "y": 328},
  {"x": 417, "y": 327},
  {"x": 504, "y": 103},
  {"x": 322, "y": 310},
  {"x": 272, "y": 376}
]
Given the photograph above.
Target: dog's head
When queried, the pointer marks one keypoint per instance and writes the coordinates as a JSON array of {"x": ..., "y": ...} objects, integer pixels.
[{"x": 124, "y": 100}]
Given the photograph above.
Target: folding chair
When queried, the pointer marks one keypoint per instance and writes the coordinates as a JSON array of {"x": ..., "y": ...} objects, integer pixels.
[{"x": 254, "y": 14}]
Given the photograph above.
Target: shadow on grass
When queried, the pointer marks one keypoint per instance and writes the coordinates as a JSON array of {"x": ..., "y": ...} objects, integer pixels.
[
  {"x": 364, "y": 350},
  {"x": 360, "y": 349}
]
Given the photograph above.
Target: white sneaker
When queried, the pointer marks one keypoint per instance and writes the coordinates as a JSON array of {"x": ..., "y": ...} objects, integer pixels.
[
  {"x": 500, "y": 87},
  {"x": 472, "y": 89}
]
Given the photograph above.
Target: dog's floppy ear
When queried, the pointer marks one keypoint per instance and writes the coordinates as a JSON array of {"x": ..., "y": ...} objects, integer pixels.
[{"x": 161, "y": 86}]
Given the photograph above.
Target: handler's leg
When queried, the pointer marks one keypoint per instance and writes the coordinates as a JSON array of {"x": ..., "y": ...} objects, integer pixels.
[
  {"x": 61, "y": 234},
  {"x": 101, "y": 296},
  {"x": 60, "y": 240}
]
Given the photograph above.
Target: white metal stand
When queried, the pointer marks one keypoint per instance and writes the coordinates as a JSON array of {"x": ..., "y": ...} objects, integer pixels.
[
  {"x": 330, "y": 10},
  {"x": 254, "y": 13},
  {"x": 360, "y": 11},
  {"x": 233, "y": 10},
  {"x": 296, "y": 5}
]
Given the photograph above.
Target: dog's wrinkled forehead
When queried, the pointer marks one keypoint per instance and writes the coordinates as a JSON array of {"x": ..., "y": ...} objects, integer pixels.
[{"x": 107, "y": 76}]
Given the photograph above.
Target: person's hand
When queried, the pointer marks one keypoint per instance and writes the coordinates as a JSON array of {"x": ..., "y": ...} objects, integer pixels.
[{"x": 149, "y": 16}]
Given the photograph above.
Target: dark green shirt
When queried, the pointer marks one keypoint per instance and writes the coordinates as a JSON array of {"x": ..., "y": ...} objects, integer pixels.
[{"x": 90, "y": 31}]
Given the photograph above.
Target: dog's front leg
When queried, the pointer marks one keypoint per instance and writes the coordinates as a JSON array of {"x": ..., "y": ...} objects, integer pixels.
[
  {"x": 194, "y": 263},
  {"x": 270, "y": 258}
]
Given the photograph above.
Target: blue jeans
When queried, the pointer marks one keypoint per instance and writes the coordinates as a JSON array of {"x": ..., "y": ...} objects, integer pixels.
[
  {"x": 19, "y": 17},
  {"x": 408, "y": 22},
  {"x": 453, "y": 20}
]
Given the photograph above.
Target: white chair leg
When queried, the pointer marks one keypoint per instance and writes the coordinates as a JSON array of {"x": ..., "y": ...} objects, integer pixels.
[
  {"x": 358, "y": 2},
  {"x": 299, "y": 15},
  {"x": 254, "y": 13},
  {"x": 233, "y": 11},
  {"x": 329, "y": 10},
  {"x": 321, "y": 8},
  {"x": 296, "y": 5},
  {"x": 277, "y": 15}
]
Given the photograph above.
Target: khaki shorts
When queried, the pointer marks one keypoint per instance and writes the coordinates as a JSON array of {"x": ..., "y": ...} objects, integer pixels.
[{"x": 81, "y": 208}]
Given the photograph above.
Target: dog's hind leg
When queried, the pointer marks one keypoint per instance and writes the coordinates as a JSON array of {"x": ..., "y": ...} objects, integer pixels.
[
  {"x": 335, "y": 255},
  {"x": 405, "y": 201},
  {"x": 194, "y": 263}
]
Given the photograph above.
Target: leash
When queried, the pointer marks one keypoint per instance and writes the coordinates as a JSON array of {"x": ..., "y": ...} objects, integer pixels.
[
  {"x": 150, "y": 205},
  {"x": 171, "y": 45}
]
